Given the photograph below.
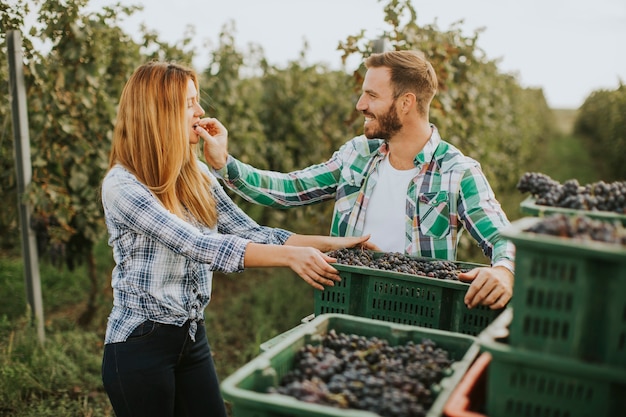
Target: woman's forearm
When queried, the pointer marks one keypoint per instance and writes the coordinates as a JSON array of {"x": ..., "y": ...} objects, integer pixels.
[
  {"x": 323, "y": 243},
  {"x": 261, "y": 255},
  {"x": 329, "y": 243}
]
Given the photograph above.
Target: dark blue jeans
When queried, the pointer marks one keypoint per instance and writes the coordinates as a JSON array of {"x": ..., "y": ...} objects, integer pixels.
[{"x": 160, "y": 371}]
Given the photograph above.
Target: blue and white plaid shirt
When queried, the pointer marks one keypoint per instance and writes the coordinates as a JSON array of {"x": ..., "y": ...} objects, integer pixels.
[{"x": 164, "y": 265}]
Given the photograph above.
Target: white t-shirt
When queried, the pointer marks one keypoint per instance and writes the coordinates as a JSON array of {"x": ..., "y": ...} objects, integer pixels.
[{"x": 385, "y": 218}]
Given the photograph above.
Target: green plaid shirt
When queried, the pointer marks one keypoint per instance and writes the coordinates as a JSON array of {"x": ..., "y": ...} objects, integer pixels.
[{"x": 450, "y": 193}]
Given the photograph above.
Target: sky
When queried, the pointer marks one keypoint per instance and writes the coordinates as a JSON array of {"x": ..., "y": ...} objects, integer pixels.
[{"x": 568, "y": 48}]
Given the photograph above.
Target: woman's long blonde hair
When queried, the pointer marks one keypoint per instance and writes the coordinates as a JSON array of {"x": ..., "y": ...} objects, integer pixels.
[{"x": 151, "y": 140}]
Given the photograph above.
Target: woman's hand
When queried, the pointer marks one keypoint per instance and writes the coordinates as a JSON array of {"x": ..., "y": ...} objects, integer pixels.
[
  {"x": 309, "y": 263},
  {"x": 304, "y": 255},
  {"x": 313, "y": 267},
  {"x": 215, "y": 138}
]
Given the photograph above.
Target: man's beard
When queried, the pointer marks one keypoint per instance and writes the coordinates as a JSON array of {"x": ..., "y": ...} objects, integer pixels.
[{"x": 388, "y": 124}]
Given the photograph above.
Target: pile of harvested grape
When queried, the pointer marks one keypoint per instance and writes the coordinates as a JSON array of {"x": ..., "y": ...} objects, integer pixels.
[
  {"x": 398, "y": 262},
  {"x": 601, "y": 196},
  {"x": 352, "y": 371},
  {"x": 580, "y": 227}
]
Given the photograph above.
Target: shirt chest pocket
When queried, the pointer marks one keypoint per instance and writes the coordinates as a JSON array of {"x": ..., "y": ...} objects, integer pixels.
[{"x": 434, "y": 213}]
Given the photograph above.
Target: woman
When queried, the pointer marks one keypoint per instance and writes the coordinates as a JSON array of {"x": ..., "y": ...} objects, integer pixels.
[{"x": 171, "y": 225}]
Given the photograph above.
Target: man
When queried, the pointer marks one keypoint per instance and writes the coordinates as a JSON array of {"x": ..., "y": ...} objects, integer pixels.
[{"x": 399, "y": 181}]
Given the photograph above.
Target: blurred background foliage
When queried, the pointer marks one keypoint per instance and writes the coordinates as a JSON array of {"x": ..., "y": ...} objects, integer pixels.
[{"x": 602, "y": 122}]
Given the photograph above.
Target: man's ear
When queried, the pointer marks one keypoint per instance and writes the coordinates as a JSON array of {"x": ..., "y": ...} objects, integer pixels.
[{"x": 408, "y": 101}]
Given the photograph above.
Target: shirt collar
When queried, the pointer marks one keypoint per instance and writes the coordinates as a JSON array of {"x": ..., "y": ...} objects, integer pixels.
[{"x": 427, "y": 153}]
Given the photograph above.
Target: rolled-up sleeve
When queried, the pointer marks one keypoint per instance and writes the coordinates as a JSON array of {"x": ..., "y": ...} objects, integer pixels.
[{"x": 484, "y": 218}]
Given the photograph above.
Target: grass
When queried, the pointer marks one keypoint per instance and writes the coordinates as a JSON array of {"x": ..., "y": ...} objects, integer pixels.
[{"x": 62, "y": 377}]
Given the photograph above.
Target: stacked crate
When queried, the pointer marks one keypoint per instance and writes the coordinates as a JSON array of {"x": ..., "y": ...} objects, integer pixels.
[
  {"x": 370, "y": 302},
  {"x": 566, "y": 350}
]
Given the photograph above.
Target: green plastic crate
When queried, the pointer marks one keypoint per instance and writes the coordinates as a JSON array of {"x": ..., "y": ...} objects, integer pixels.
[
  {"x": 246, "y": 388},
  {"x": 531, "y": 208},
  {"x": 404, "y": 298},
  {"x": 569, "y": 296},
  {"x": 523, "y": 383}
]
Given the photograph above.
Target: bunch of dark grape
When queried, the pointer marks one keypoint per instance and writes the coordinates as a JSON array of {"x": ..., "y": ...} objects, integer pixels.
[
  {"x": 352, "y": 371},
  {"x": 600, "y": 196},
  {"x": 398, "y": 262},
  {"x": 540, "y": 186},
  {"x": 580, "y": 227}
]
